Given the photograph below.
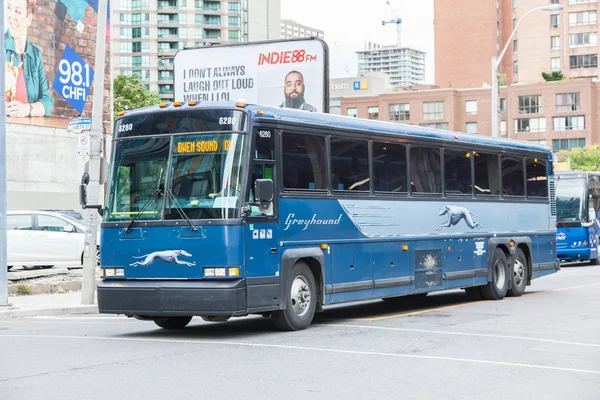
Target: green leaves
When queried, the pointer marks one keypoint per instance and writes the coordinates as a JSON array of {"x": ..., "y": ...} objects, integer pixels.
[
  {"x": 583, "y": 158},
  {"x": 130, "y": 93},
  {"x": 554, "y": 76}
]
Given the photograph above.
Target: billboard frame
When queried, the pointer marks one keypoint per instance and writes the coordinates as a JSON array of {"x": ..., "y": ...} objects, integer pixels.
[{"x": 242, "y": 44}]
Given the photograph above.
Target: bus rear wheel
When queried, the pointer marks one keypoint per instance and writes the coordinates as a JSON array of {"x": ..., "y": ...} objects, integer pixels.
[
  {"x": 497, "y": 288},
  {"x": 519, "y": 275},
  {"x": 173, "y": 322},
  {"x": 301, "y": 301}
]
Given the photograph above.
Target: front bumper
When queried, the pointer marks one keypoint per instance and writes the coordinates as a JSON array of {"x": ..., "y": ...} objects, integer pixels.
[{"x": 172, "y": 298}]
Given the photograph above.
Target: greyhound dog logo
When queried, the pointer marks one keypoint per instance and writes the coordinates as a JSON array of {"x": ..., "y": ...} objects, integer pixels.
[
  {"x": 455, "y": 214},
  {"x": 167, "y": 256}
]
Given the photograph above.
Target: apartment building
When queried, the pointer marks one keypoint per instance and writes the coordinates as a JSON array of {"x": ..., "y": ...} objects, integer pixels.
[
  {"x": 468, "y": 33},
  {"x": 560, "y": 115},
  {"x": 147, "y": 34},
  {"x": 404, "y": 65},
  {"x": 290, "y": 29}
]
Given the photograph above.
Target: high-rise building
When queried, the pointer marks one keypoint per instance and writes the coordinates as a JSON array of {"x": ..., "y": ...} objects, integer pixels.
[
  {"x": 468, "y": 33},
  {"x": 290, "y": 29},
  {"x": 404, "y": 65},
  {"x": 148, "y": 33}
]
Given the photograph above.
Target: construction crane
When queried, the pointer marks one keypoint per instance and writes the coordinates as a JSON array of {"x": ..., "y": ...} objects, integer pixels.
[{"x": 397, "y": 21}]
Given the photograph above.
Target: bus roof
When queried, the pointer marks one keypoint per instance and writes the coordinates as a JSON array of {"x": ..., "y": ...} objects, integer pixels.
[{"x": 343, "y": 122}]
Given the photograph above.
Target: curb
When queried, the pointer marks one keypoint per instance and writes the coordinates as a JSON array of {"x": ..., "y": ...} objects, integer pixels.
[{"x": 13, "y": 312}]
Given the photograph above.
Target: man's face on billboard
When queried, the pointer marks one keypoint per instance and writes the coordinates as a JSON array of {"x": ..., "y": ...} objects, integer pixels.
[
  {"x": 18, "y": 18},
  {"x": 294, "y": 85}
]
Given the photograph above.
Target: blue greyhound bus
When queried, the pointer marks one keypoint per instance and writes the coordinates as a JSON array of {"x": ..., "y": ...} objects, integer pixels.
[
  {"x": 221, "y": 210},
  {"x": 577, "y": 204}
]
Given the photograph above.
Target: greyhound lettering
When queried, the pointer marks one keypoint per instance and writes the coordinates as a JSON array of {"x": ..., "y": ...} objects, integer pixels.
[
  {"x": 455, "y": 214},
  {"x": 167, "y": 256}
]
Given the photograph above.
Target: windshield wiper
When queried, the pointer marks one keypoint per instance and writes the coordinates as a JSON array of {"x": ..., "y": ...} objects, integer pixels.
[
  {"x": 154, "y": 196},
  {"x": 182, "y": 213}
]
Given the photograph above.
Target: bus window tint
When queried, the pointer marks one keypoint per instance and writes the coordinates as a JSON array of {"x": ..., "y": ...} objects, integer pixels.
[
  {"x": 513, "y": 183},
  {"x": 425, "y": 170},
  {"x": 389, "y": 168},
  {"x": 487, "y": 176},
  {"x": 349, "y": 164},
  {"x": 537, "y": 181},
  {"x": 458, "y": 178},
  {"x": 303, "y": 162}
]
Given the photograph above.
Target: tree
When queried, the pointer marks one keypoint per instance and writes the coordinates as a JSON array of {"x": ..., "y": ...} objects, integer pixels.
[
  {"x": 582, "y": 158},
  {"x": 130, "y": 93},
  {"x": 554, "y": 76}
]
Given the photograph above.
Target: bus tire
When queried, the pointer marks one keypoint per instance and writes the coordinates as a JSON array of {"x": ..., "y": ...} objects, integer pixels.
[
  {"x": 497, "y": 288},
  {"x": 594, "y": 261},
  {"x": 173, "y": 322},
  {"x": 301, "y": 300},
  {"x": 519, "y": 275}
]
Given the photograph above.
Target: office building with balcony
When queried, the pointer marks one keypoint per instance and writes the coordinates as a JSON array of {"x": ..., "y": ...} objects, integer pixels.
[{"x": 147, "y": 34}]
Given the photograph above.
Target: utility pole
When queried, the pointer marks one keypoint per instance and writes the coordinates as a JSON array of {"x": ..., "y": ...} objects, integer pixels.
[
  {"x": 89, "y": 262},
  {"x": 3, "y": 237}
]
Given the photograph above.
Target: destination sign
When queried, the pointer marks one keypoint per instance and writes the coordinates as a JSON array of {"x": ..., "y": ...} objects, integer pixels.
[{"x": 203, "y": 146}]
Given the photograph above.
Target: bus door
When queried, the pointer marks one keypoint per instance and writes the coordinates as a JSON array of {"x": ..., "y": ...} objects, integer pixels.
[{"x": 262, "y": 229}]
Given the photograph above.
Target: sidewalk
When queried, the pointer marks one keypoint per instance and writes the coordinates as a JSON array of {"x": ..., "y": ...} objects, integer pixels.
[{"x": 45, "y": 305}]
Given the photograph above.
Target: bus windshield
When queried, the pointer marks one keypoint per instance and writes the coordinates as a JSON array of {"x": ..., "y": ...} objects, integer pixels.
[
  {"x": 203, "y": 178},
  {"x": 206, "y": 176},
  {"x": 570, "y": 200}
]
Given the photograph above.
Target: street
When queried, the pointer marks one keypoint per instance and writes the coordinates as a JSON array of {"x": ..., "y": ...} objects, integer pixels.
[{"x": 544, "y": 345}]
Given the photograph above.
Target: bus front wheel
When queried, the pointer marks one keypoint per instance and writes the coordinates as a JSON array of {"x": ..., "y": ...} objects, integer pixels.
[
  {"x": 301, "y": 301},
  {"x": 173, "y": 322},
  {"x": 497, "y": 288}
]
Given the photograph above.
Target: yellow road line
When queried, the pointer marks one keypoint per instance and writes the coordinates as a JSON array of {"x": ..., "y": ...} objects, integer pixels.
[{"x": 409, "y": 314}]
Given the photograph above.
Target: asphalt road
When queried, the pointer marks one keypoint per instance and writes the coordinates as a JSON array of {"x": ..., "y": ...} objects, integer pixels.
[{"x": 544, "y": 345}]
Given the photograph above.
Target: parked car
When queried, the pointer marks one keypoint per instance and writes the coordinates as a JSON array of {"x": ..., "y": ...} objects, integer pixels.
[
  {"x": 71, "y": 213},
  {"x": 44, "y": 238}
]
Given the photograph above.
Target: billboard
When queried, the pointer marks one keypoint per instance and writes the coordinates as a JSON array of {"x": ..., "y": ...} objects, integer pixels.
[
  {"x": 50, "y": 56},
  {"x": 284, "y": 73}
]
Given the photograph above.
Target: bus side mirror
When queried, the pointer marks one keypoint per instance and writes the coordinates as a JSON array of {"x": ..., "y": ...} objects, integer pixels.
[
  {"x": 85, "y": 180},
  {"x": 263, "y": 193}
]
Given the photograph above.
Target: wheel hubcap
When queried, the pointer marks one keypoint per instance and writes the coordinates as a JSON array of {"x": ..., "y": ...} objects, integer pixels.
[
  {"x": 300, "y": 296},
  {"x": 519, "y": 272},
  {"x": 500, "y": 274}
]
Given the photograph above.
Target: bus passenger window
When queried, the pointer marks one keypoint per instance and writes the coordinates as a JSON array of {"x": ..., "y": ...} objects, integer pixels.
[
  {"x": 458, "y": 177},
  {"x": 487, "y": 174},
  {"x": 303, "y": 162},
  {"x": 513, "y": 177},
  {"x": 537, "y": 177},
  {"x": 425, "y": 170},
  {"x": 389, "y": 168},
  {"x": 349, "y": 165}
]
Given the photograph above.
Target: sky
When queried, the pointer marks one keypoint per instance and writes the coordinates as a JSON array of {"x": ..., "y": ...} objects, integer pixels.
[{"x": 348, "y": 24}]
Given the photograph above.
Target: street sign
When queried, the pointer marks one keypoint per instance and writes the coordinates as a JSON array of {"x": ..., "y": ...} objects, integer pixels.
[
  {"x": 79, "y": 125},
  {"x": 83, "y": 144}
]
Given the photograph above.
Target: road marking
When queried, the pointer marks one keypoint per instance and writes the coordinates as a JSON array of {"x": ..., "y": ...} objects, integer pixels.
[
  {"x": 462, "y": 334},
  {"x": 311, "y": 349},
  {"x": 409, "y": 314}
]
